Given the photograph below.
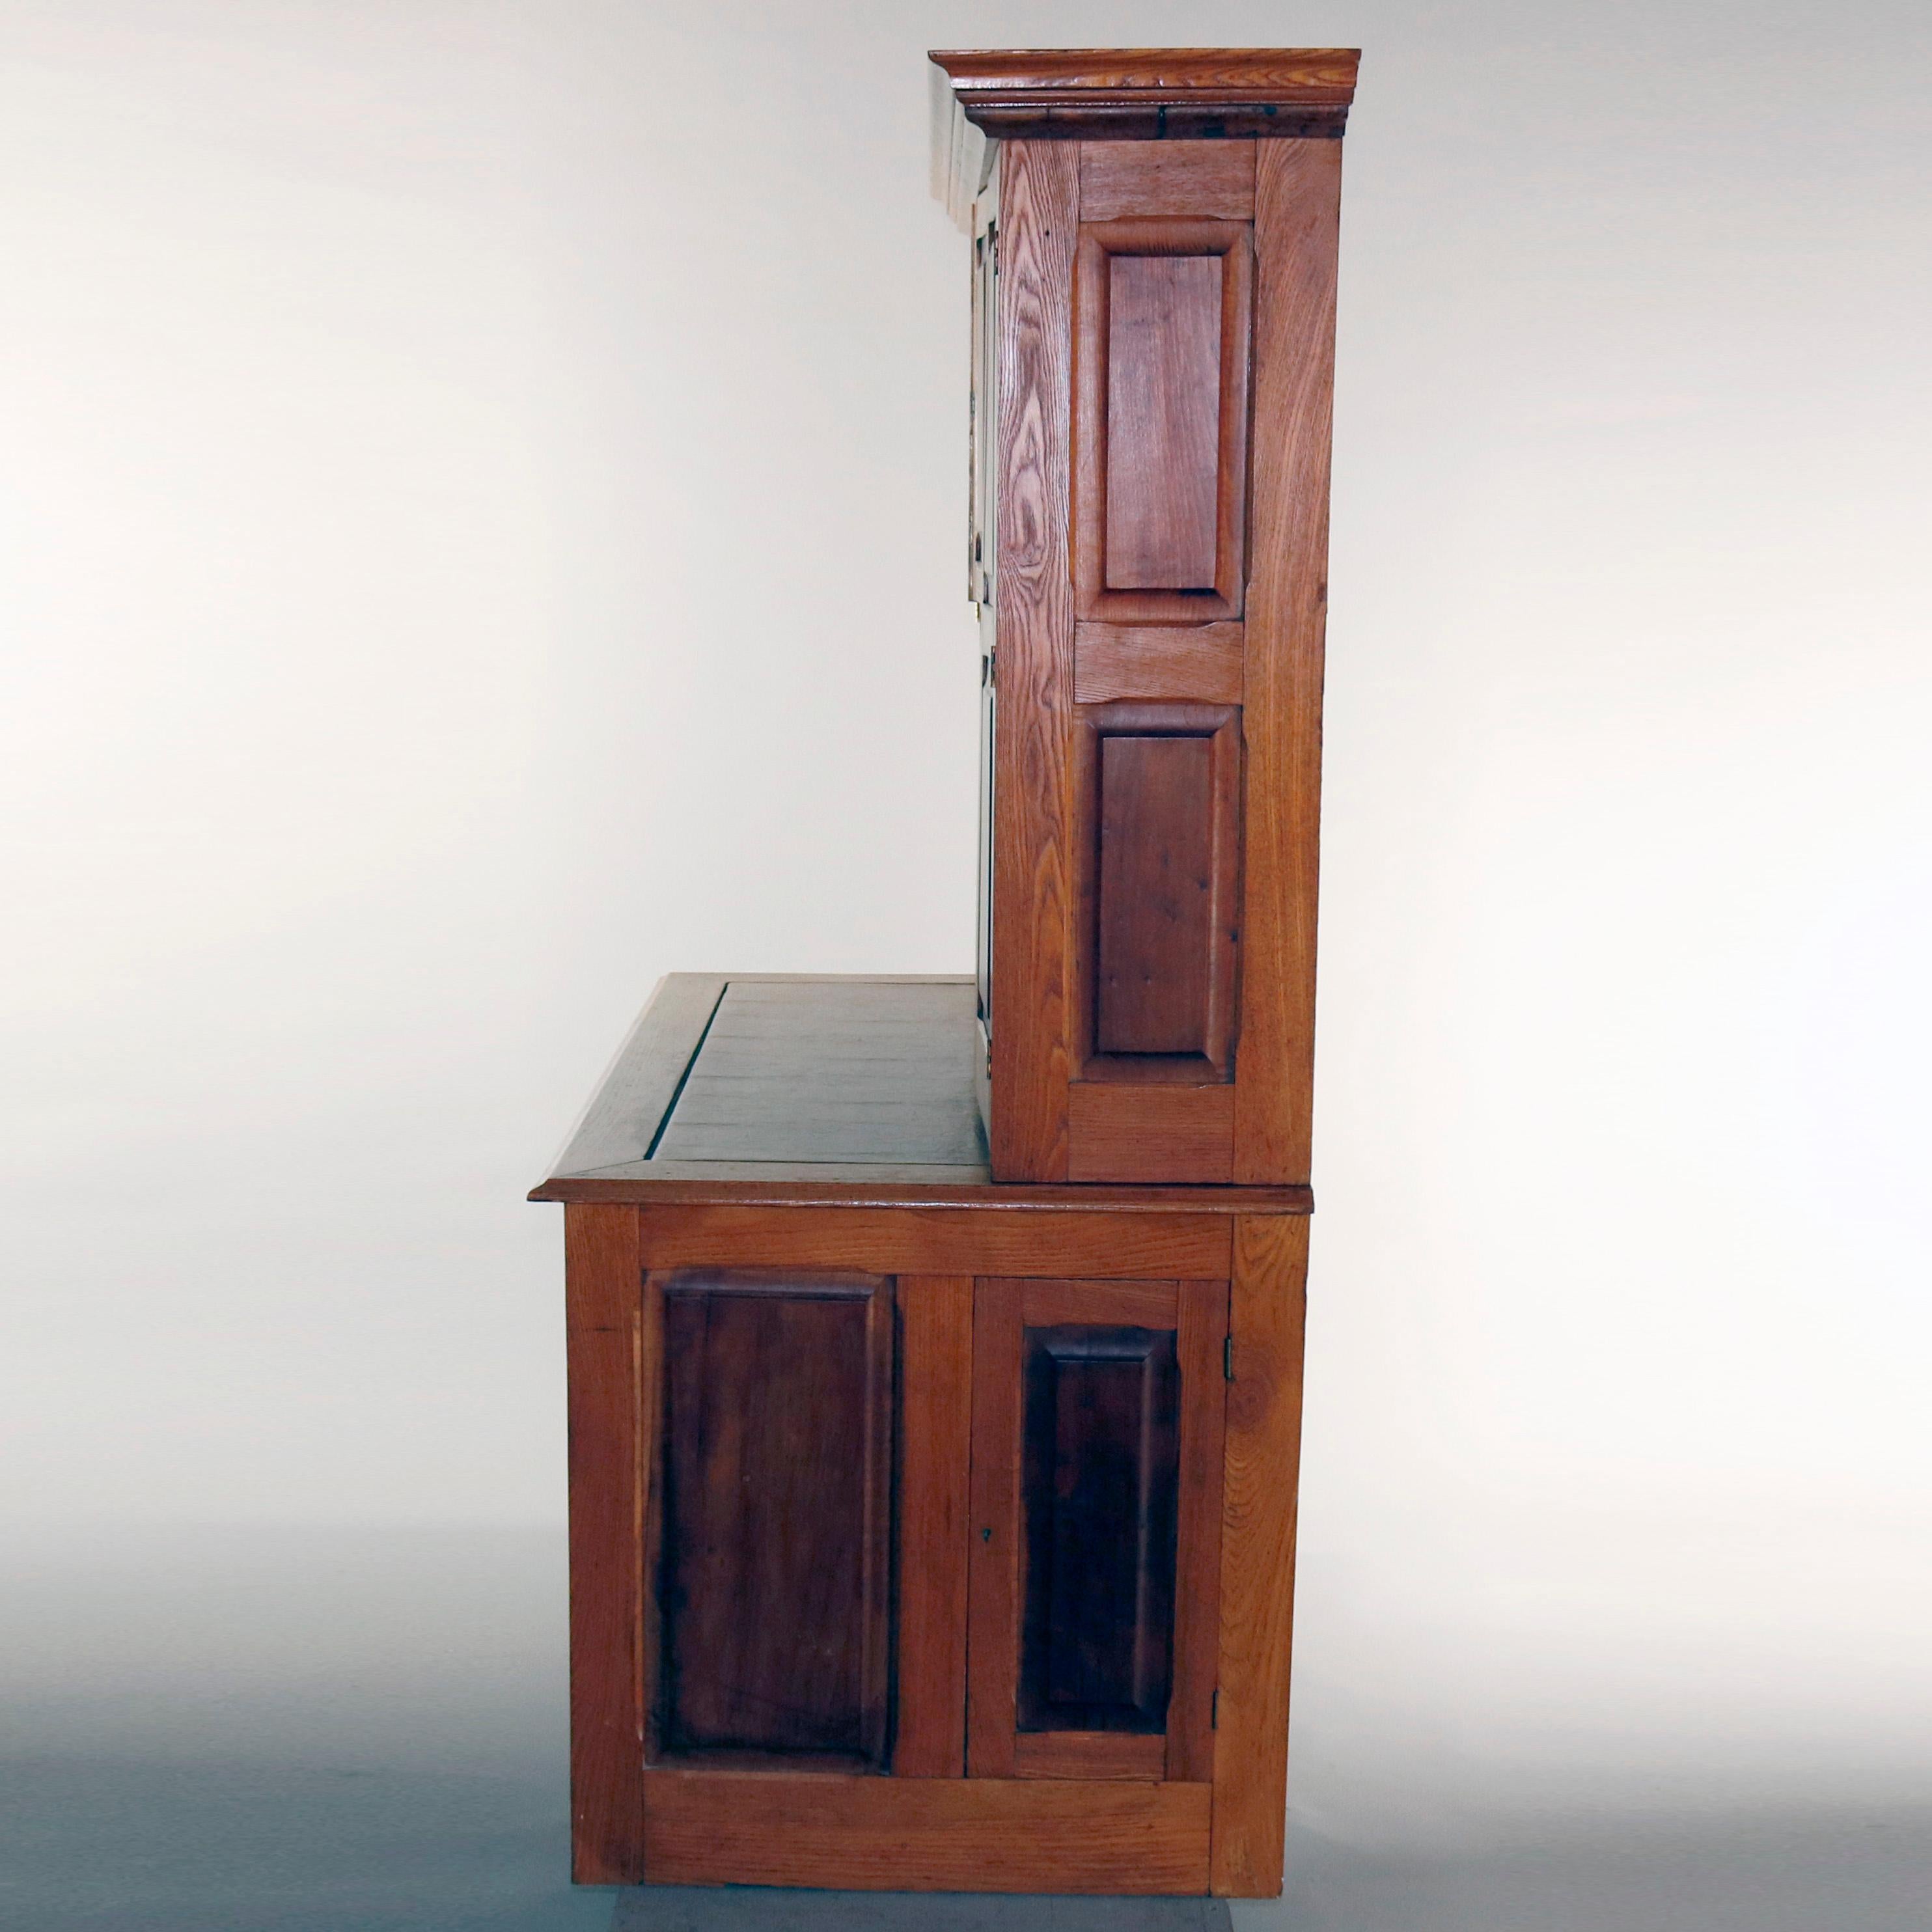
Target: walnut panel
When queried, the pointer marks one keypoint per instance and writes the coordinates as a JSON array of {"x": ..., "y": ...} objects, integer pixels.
[
  {"x": 1163, "y": 421},
  {"x": 1159, "y": 810},
  {"x": 773, "y": 1538},
  {"x": 1101, "y": 1456},
  {"x": 1162, "y": 349}
]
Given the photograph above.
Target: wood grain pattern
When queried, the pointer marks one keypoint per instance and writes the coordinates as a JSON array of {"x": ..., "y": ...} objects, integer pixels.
[
  {"x": 1197, "y": 1633},
  {"x": 935, "y": 1502},
  {"x": 1297, "y": 191},
  {"x": 1090, "y": 1754},
  {"x": 1217, "y": 413},
  {"x": 1162, "y": 421},
  {"x": 1267, "y": 1309},
  {"x": 937, "y": 1835},
  {"x": 1149, "y": 1304},
  {"x": 1141, "y": 1133},
  {"x": 1154, "y": 934},
  {"x": 1154, "y": 957},
  {"x": 937, "y": 1241},
  {"x": 1032, "y": 886},
  {"x": 774, "y": 1576},
  {"x": 1206, "y": 180},
  {"x": 992, "y": 1663},
  {"x": 603, "y": 1345},
  {"x": 1175, "y": 662}
]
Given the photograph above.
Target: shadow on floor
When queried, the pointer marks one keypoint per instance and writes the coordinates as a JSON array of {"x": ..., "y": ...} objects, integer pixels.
[{"x": 360, "y": 1731}]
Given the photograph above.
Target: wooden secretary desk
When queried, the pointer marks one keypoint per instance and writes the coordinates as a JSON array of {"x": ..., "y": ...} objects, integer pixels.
[{"x": 935, "y": 1345}]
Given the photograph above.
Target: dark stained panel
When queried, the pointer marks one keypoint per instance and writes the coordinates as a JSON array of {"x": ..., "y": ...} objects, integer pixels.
[
  {"x": 773, "y": 1536},
  {"x": 1154, "y": 947},
  {"x": 1102, "y": 1453},
  {"x": 1163, "y": 421}
]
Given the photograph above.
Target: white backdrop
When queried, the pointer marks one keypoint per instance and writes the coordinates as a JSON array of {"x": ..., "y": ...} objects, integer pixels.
[{"x": 482, "y": 526}]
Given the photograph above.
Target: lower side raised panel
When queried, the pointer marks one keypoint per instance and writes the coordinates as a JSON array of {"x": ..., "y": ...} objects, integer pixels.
[{"x": 925, "y": 1835}]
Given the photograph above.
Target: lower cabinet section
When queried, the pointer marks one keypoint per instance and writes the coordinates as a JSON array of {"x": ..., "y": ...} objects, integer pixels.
[{"x": 907, "y": 1580}]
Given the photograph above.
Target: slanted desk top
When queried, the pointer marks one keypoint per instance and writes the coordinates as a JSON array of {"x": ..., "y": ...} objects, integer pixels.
[{"x": 769, "y": 1088}]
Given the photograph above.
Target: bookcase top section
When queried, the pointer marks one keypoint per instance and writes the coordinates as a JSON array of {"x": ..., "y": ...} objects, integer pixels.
[
  {"x": 1116, "y": 93},
  {"x": 768, "y": 1089}
]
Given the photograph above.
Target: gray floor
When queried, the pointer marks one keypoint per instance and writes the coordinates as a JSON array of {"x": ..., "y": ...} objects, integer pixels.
[{"x": 270, "y": 1731}]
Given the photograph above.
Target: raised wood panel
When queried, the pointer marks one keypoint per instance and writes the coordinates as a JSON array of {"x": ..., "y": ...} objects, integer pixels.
[
  {"x": 1267, "y": 1309},
  {"x": 1163, "y": 426},
  {"x": 1033, "y": 884},
  {"x": 934, "y": 1835},
  {"x": 1154, "y": 943},
  {"x": 1124, "y": 179},
  {"x": 1161, "y": 328},
  {"x": 1296, "y": 195},
  {"x": 1176, "y": 662},
  {"x": 1078, "y": 1479},
  {"x": 934, "y": 1240},
  {"x": 935, "y": 1458},
  {"x": 1123, "y": 1132},
  {"x": 1098, "y": 1482},
  {"x": 773, "y": 1570},
  {"x": 1158, "y": 806},
  {"x": 604, "y": 1281}
]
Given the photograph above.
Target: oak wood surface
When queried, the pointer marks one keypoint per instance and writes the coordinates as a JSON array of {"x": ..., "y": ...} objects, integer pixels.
[
  {"x": 914, "y": 1834},
  {"x": 1267, "y": 1309},
  {"x": 606, "y": 1569},
  {"x": 1208, "y": 180},
  {"x": 1167, "y": 502},
  {"x": 1154, "y": 941},
  {"x": 997, "y": 1544},
  {"x": 1178, "y": 663},
  {"x": 1128, "y": 1132},
  {"x": 1090, "y": 1754},
  {"x": 1033, "y": 884},
  {"x": 1157, "y": 806},
  {"x": 774, "y": 1571},
  {"x": 1149, "y": 1304},
  {"x": 1297, "y": 191},
  {"x": 1162, "y": 421},
  {"x": 936, "y": 1241},
  {"x": 1010, "y": 1317},
  {"x": 1203, "y": 1329},
  {"x": 935, "y": 1502}
]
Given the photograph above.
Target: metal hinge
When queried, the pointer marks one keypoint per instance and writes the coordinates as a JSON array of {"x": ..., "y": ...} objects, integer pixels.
[{"x": 1227, "y": 1359}]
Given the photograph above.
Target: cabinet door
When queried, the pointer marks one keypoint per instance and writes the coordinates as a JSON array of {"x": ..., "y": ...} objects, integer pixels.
[
  {"x": 768, "y": 1548},
  {"x": 1097, "y": 1429}
]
